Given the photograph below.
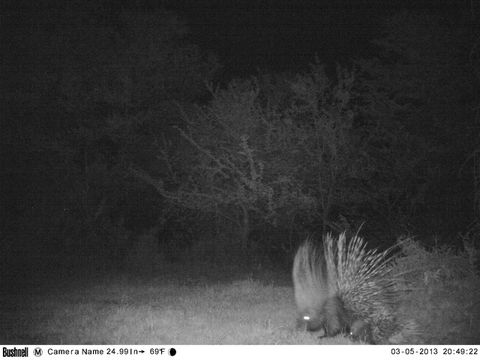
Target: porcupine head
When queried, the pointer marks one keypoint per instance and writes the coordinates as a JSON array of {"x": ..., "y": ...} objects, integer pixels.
[{"x": 319, "y": 308}]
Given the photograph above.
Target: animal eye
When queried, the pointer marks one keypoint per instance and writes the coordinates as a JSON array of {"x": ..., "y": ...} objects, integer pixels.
[{"x": 306, "y": 318}]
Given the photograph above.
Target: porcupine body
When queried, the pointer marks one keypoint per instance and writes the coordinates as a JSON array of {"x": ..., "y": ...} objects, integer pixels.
[{"x": 344, "y": 288}]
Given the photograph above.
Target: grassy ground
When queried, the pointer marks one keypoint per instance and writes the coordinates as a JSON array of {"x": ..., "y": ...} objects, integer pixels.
[
  {"x": 132, "y": 310},
  {"x": 51, "y": 303}
]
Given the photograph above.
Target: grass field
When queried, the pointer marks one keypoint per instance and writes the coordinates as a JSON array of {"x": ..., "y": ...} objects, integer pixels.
[
  {"x": 51, "y": 303},
  {"x": 129, "y": 310}
]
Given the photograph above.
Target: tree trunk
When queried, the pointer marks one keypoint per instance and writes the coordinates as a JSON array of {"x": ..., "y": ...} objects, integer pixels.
[{"x": 245, "y": 230}]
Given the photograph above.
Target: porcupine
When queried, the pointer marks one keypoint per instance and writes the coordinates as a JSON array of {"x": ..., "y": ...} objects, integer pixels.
[{"x": 344, "y": 288}]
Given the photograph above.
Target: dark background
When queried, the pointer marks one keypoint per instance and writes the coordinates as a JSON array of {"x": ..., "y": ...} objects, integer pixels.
[{"x": 91, "y": 88}]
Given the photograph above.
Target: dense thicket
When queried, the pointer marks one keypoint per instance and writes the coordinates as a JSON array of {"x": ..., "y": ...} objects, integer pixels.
[{"x": 114, "y": 124}]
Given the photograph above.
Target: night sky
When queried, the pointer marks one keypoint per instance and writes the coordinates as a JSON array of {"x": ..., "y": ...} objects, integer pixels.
[
  {"x": 272, "y": 35},
  {"x": 286, "y": 35}
]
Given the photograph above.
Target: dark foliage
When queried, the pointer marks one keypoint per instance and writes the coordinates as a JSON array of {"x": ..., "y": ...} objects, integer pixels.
[{"x": 114, "y": 123}]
